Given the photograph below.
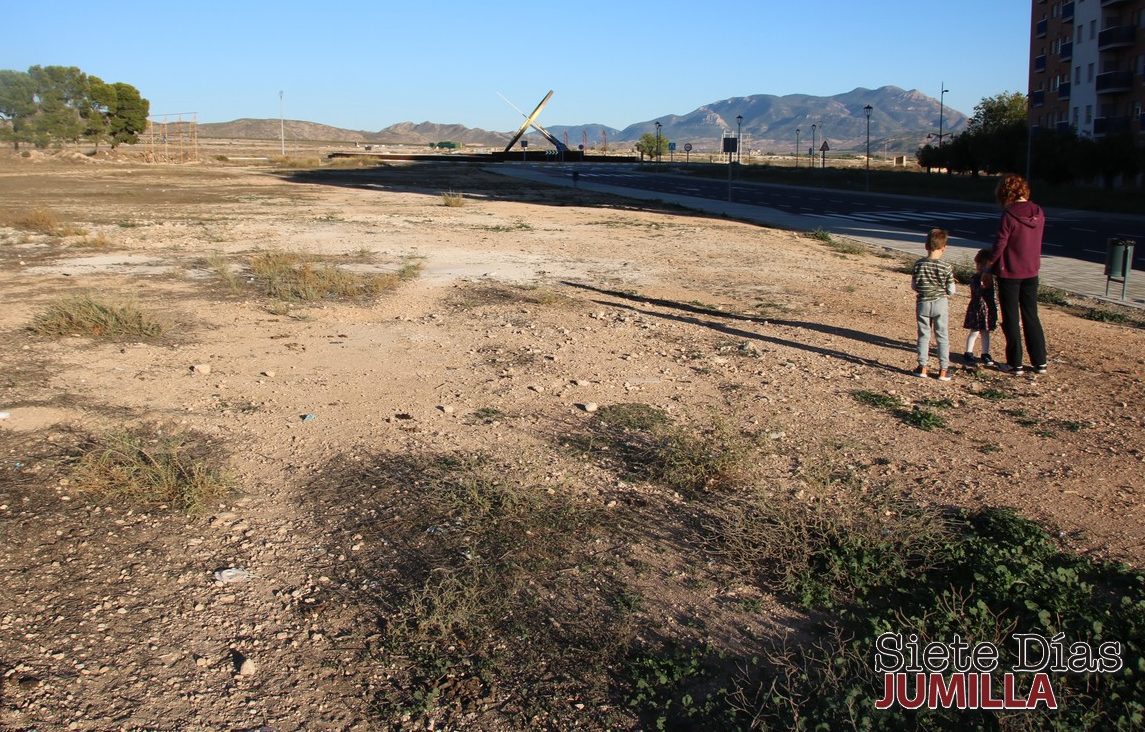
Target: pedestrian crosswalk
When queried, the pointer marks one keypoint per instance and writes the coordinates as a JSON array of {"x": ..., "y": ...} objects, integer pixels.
[{"x": 931, "y": 218}]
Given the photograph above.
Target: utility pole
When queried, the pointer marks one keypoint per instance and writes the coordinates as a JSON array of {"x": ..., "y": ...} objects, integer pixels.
[{"x": 281, "y": 125}]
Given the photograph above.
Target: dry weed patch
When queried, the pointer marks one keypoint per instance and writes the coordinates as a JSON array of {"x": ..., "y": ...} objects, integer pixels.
[
  {"x": 643, "y": 443},
  {"x": 491, "y": 294},
  {"x": 87, "y": 316},
  {"x": 495, "y": 591},
  {"x": 39, "y": 221},
  {"x": 183, "y": 472},
  {"x": 453, "y": 199},
  {"x": 293, "y": 277}
]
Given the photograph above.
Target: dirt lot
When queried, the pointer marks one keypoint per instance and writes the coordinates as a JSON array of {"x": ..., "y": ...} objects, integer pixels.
[{"x": 532, "y": 309}]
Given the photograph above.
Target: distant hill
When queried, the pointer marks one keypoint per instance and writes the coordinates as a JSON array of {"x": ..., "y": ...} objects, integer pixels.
[
  {"x": 900, "y": 118},
  {"x": 404, "y": 133}
]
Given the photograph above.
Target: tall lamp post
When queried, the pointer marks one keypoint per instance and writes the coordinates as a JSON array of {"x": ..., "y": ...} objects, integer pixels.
[
  {"x": 868, "y": 109},
  {"x": 739, "y": 137},
  {"x": 941, "y": 98},
  {"x": 811, "y": 152},
  {"x": 796, "y": 147},
  {"x": 658, "y": 141}
]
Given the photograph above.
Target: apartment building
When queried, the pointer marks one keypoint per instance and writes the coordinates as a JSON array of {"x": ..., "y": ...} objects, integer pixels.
[{"x": 1087, "y": 66}]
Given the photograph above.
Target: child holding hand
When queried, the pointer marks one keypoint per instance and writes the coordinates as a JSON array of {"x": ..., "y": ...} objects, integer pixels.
[{"x": 982, "y": 312}]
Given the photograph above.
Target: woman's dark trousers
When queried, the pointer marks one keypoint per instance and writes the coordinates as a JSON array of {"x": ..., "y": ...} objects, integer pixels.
[{"x": 1019, "y": 299}]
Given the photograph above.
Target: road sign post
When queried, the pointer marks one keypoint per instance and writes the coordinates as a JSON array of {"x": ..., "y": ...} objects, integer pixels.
[
  {"x": 687, "y": 152},
  {"x": 823, "y": 151}
]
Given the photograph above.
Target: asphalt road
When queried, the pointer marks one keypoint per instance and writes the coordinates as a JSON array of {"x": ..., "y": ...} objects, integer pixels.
[{"x": 1076, "y": 234}]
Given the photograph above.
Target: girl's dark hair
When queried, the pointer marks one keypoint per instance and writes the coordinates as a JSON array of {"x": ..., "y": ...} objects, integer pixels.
[{"x": 983, "y": 256}]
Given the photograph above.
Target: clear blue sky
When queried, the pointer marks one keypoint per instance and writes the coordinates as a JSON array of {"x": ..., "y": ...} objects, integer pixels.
[{"x": 367, "y": 65}]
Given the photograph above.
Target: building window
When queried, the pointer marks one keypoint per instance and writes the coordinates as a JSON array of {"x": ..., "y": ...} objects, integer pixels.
[
  {"x": 1089, "y": 114},
  {"x": 1089, "y": 73},
  {"x": 1076, "y": 116},
  {"x": 1092, "y": 29},
  {"x": 1077, "y": 74},
  {"x": 1080, "y": 33}
]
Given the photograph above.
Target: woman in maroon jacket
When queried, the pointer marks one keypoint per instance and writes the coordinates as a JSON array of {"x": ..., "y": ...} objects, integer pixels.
[{"x": 1015, "y": 261}]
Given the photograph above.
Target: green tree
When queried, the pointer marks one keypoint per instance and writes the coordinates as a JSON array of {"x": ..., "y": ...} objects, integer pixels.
[
  {"x": 52, "y": 104},
  {"x": 128, "y": 116},
  {"x": 998, "y": 132},
  {"x": 647, "y": 145},
  {"x": 17, "y": 106},
  {"x": 60, "y": 93}
]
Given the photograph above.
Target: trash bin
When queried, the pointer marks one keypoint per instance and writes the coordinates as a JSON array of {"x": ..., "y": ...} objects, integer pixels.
[{"x": 1119, "y": 257}]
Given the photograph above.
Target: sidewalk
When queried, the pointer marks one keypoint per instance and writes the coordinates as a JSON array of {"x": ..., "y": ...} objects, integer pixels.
[{"x": 1063, "y": 273}]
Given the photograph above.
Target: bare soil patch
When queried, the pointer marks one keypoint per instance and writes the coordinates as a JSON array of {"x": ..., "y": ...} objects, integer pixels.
[{"x": 375, "y": 441}]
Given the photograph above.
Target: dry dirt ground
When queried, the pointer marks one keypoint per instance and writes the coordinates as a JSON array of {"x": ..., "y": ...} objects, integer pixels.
[{"x": 530, "y": 305}]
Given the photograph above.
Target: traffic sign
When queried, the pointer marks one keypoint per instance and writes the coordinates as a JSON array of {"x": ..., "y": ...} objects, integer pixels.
[
  {"x": 824, "y": 147},
  {"x": 687, "y": 147}
]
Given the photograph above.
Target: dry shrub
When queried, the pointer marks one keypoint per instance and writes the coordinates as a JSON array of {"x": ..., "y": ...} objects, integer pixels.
[
  {"x": 289, "y": 161},
  {"x": 85, "y": 315},
  {"x": 482, "y": 294},
  {"x": 643, "y": 443},
  {"x": 99, "y": 241},
  {"x": 825, "y": 552},
  {"x": 292, "y": 276},
  {"x": 38, "y": 220},
  {"x": 495, "y": 591},
  {"x": 146, "y": 469},
  {"x": 452, "y": 199}
]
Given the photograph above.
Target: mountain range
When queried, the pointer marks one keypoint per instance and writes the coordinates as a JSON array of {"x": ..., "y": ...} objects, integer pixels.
[{"x": 900, "y": 120}]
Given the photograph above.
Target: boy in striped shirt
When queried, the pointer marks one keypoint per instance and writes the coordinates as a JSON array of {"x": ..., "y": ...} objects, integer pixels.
[{"x": 933, "y": 280}]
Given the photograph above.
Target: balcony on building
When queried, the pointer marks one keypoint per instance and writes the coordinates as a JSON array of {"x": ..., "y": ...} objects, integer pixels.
[
  {"x": 1120, "y": 36},
  {"x": 1066, "y": 51},
  {"x": 1040, "y": 63},
  {"x": 1063, "y": 127},
  {"x": 1038, "y": 98},
  {"x": 1110, "y": 3},
  {"x": 1063, "y": 91},
  {"x": 1040, "y": 28},
  {"x": 1111, "y": 125},
  {"x": 1067, "y": 13},
  {"x": 1114, "y": 82}
]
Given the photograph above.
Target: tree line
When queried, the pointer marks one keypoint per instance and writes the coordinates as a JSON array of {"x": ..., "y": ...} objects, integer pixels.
[
  {"x": 48, "y": 105},
  {"x": 997, "y": 139}
]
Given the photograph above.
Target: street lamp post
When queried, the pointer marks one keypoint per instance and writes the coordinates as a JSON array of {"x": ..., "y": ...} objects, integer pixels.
[
  {"x": 941, "y": 98},
  {"x": 658, "y": 141},
  {"x": 739, "y": 138},
  {"x": 868, "y": 109},
  {"x": 796, "y": 147},
  {"x": 811, "y": 152}
]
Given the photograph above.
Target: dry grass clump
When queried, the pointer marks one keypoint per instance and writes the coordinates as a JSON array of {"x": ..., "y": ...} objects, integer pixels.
[
  {"x": 481, "y": 294},
  {"x": 87, "y": 316},
  {"x": 289, "y": 161},
  {"x": 292, "y": 276},
  {"x": 145, "y": 469},
  {"x": 39, "y": 221},
  {"x": 823, "y": 552},
  {"x": 99, "y": 241},
  {"x": 452, "y": 199},
  {"x": 643, "y": 443},
  {"x": 493, "y": 591}
]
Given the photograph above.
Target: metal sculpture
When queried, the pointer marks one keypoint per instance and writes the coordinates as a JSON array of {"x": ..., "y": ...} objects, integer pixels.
[{"x": 531, "y": 121}]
